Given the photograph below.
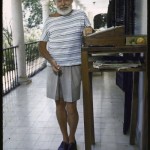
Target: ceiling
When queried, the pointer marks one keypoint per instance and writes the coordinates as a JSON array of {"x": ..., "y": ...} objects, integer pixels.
[{"x": 95, "y": 6}]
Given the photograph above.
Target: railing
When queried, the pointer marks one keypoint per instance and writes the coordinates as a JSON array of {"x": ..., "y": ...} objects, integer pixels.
[
  {"x": 34, "y": 64},
  {"x": 10, "y": 69}
]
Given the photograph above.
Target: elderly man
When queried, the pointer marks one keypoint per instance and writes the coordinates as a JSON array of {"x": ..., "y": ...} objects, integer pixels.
[{"x": 60, "y": 44}]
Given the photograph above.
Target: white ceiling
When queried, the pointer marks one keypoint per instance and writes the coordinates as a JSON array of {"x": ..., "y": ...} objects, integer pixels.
[{"x": 95, "y": 6}]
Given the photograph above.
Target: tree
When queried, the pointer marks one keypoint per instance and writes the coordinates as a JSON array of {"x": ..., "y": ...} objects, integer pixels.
[
  {"x": 7, "y": 37},
  {"x": 32, "y": 10}
]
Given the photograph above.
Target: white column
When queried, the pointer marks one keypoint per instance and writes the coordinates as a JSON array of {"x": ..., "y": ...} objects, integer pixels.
[
  {"x": 45, "y": 9},
  {"x": 80, "y": 7},
  {"x": 76, "y": 4},
  {"x": 90, "y": 16},
  {"x": 18, "y": 40}
]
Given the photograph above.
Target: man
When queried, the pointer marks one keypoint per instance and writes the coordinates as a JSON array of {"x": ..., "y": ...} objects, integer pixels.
[{"x": 60, "y": 45}]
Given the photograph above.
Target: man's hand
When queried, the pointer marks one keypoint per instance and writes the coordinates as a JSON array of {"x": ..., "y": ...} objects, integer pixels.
[
  {"x": 87, "y": 30},
  {"x": 56, "y": 68},
  {"x": 43, "y": 51}
]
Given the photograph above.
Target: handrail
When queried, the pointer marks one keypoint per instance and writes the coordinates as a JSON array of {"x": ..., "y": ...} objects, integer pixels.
[{"x": 34, "y": 64}]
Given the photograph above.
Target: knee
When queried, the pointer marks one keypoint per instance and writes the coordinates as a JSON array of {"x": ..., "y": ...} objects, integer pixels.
[
  {"x": 60, "y": 105},
  {"x": 71, "y": 108}
]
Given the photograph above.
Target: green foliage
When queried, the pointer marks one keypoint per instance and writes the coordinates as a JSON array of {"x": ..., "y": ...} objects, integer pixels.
[
  {"x": 31, "y": 34},
  {"x": 7, "y": 37},
  {"x": 51, "y": 6},
  {"x": 32, "y": 52},
  {"x": 8, "y": 60},
  {"x": 32, "y": 10}
]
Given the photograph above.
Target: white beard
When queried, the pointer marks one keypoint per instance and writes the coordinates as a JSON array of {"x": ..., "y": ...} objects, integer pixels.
[{"x": 65, "y": 11}]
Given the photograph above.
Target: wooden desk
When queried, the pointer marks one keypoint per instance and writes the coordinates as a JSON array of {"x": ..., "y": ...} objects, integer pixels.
[{"x": 87, "y": 70}]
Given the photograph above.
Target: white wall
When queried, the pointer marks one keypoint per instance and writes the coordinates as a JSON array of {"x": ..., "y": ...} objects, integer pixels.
[
  {"x": 140, "y": 28},
  {"x": 141, "y": 16}
]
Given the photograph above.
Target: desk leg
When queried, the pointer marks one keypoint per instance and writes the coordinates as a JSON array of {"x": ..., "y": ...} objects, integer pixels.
[
  {"x": 92, "y": 113},
  {"x": 145, "y": 115},
  {"x": 87, "y": 107},
  {"x": 134, "y": 109}
]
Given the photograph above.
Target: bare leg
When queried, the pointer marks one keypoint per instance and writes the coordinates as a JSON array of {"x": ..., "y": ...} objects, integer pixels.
[
  {"x": 62, "y": 118},
  {"x": 73, "y": 118}
]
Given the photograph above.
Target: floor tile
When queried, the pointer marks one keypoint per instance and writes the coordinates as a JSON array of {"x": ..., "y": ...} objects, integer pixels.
[{"x": 29, "y": 119}]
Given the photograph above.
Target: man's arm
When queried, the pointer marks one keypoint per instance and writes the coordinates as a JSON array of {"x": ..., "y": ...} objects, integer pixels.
[{"x": 44, "y": 53}]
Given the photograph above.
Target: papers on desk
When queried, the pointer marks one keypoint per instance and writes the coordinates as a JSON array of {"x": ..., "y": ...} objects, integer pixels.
[{"x": 100, "y": 64}]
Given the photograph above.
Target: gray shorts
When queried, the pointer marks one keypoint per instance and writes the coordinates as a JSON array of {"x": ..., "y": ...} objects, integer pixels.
[{"x": 66, "y": 86}]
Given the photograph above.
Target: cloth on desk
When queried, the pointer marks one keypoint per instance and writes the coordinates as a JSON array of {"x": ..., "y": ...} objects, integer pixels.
[{"x": 115, "y": 64}]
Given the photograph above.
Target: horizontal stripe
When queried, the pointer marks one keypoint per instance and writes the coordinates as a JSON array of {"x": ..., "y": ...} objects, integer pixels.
[{"x": 64, "y": 37}]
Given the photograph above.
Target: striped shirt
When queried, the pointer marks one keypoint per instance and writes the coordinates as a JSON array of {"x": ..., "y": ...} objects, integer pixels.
[{"x": 63, "y": 35}]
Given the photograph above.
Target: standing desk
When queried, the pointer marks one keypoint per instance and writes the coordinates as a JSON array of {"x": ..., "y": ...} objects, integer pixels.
[{"x": 87, "y": 70}]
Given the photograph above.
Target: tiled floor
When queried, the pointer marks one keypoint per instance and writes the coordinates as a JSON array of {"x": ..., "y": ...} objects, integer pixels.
[{"x": 30, "y": 123}]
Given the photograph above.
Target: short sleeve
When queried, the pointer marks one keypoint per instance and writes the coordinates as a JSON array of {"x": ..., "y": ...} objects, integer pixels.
[
  {"x": 86, "y": 20},
  {"x": 44, "y": 35}
]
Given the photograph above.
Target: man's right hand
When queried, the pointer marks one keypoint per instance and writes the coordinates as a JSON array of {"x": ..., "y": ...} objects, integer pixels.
[
  {"x": 56, "y": 68},
  {"x": 43, "y": 51}
]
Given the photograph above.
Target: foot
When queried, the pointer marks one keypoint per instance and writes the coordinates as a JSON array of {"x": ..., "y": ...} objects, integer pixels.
[
  {"x": 72, "y": 146},
  {"x": 63, "y": 146}
]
